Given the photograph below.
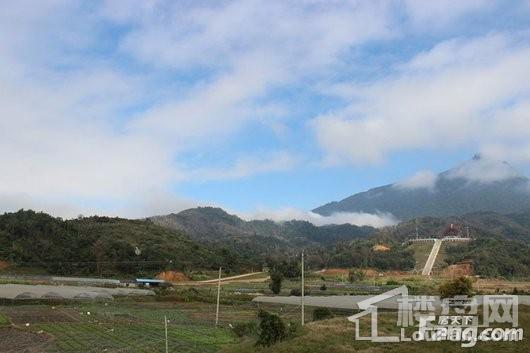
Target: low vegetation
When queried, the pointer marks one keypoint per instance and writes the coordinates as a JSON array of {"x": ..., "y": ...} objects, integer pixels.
[
  {"x": 458, "y": 286},
  {"x": 322, "y": 314}
]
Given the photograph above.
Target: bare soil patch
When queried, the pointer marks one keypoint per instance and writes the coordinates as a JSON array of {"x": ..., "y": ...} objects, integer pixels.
[
  {"x": 380, "y": 247},
  {"x": 335, "y": 271},
  {"x": 172, "y": 276},
  {"x": 20, "y": 315},
  {"x": 20, "y": 341},
  {"x": 4, "y": 265}
]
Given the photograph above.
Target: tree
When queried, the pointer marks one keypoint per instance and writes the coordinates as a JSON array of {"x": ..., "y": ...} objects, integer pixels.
[
  {"x": 458, "y": 286},
  {"x": 356, "y": 275},
  {"x": 290, "y": 268},
  {"x": 271, "y": 329},
  {"x": 276, "y": 281}
]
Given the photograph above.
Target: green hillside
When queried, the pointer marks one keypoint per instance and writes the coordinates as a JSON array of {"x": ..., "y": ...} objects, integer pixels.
[
  {"x": 210, "y": 224},
  {"x": 101, "y": 246},
  {"x": 501, "y": 247},
  {"x": 209, "y": 238}
]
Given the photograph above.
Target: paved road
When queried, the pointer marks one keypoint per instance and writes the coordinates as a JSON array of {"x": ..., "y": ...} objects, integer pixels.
[
  {"x": 351, "y": 301},
  {"x": 238, "y": 277},
  {"x": 432, "y": 257}
]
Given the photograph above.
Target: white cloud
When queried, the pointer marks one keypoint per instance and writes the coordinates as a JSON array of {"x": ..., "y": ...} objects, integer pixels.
[
  {"x": 520, "y": 153},
  {"x": 440, "y": 13},
  {"x": 244, "y": 167},
  {"x": 484, "y": 170},
  {"x": 442, "y": 99},
  {"x": 251, "y": 47},
  {"x": 155, "y": 202},
  {"x": 355, "y": 218},
  {"x": 62, "y": 110},
  {"x": 424, "y": 179},
  {"x": 94, "y": 121},
  {"x": 187, "y": 34}
]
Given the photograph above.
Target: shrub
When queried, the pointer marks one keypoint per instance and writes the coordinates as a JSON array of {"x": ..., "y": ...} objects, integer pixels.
[
  {"x": 459, "y": 286},
  {"x": 392, "y": 282},
  {"x": 323, "y": 287},
  {"x": 322, "y": 314},
  {"x": 356, "y": 275},
  {"x": 276, "y": 281},
  {"x": 199, "y": 276},
  {"x": 271, "y": 329},
  {"x": 297, "y": 292},
  {"x": 293, "y": 329},
  {"x": 249, "y": 328}
]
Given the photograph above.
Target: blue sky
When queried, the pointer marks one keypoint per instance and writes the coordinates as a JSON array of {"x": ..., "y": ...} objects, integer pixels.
[{"x": 265, "y": 108}]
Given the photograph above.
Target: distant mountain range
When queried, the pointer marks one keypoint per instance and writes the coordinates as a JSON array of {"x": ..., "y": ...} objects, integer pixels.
[
  {"x": 475, "y": 186},
  {"x": 210, "y": 224},
  {"x": 502, "y": 249}
]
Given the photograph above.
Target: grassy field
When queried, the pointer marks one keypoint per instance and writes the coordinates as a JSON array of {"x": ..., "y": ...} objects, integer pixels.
[{"x": 421, "y": 253}]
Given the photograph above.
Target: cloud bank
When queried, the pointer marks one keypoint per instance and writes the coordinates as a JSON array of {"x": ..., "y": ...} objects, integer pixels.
[
  {"x": 355, "y": 218},
  {"x": 484, "y": 170},
  {"x": 460, "y": 92},
  {"x": 424, "y": 179}
]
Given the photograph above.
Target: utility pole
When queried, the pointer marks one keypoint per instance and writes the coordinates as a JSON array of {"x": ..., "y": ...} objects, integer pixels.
[
  {"x": 165, "y": 326},
  {"x": 218, "y": 296},
  {"x": 303, "y": 285}
]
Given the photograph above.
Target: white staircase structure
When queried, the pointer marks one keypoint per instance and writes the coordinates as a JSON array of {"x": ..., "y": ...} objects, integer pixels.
[{"x": 432, "y": 258}]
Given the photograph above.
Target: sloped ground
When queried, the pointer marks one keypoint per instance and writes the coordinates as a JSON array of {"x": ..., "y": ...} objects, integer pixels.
[{"x": 421, "y": 253}]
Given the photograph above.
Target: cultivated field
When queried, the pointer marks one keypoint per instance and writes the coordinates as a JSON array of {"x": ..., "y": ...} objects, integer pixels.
[
  {"x": 111, "y": 327},
  {"x": 136, "y": 324}
]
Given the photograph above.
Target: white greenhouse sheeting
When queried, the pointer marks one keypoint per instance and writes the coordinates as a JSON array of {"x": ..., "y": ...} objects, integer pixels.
[{"x": 23, "y": 291}]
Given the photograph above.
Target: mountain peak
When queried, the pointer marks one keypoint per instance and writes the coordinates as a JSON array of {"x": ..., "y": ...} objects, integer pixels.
[
  {"x": 483, "y": 170},
  {"x": 479, "y": 184}
]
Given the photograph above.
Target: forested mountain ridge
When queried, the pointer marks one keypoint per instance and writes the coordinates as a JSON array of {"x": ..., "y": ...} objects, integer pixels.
[
  {"x": 104, "y": 246},
  {"x": 478, "y": 185},
  {"x": 480, "y": 225},
  {"x": 101, "y": 246},
  {"x": 209, "y": 224}
]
